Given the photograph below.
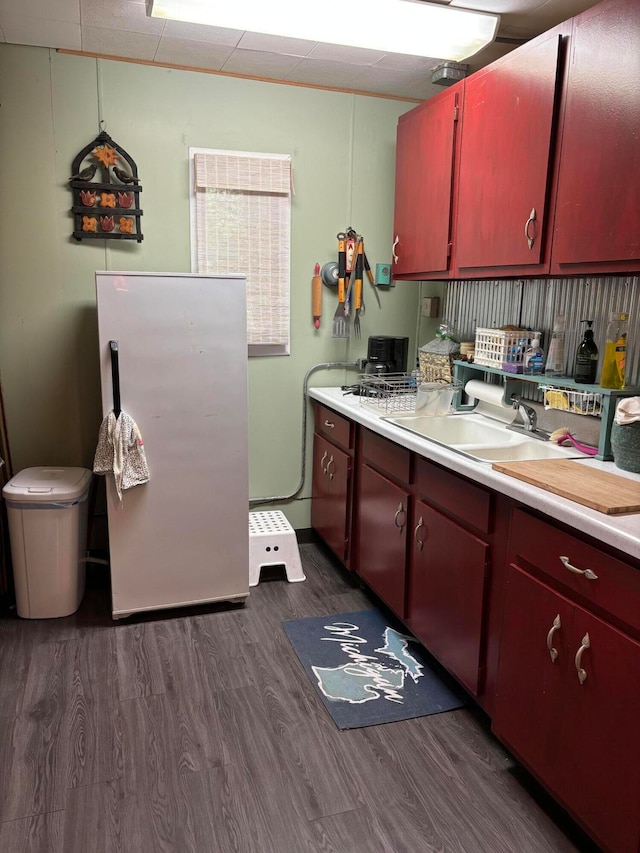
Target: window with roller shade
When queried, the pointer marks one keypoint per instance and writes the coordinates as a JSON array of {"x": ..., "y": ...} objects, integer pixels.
[{"x": 241, "y": 223}]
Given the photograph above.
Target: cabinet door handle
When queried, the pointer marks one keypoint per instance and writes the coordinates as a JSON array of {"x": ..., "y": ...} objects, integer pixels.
[
  {"x": 399, "y": 512},
  {"x": 324, "y": 456},
  {"x": 419, "y": 542},
  {"x": 553, "y": 653},
  {"x": 588, "y": 574},
  {"x": 329, "y": 464},
  {"x": 329, "y": 424},
  {"x": 585, "y": 644},
  {"x": 530, "y": 221},
  {"x": 393, "y": 249}
]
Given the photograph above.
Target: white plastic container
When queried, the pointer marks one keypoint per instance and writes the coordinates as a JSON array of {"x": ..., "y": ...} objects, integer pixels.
[
  {"x": 434, "y": 398},
  {"x": 47, "y": 514}
]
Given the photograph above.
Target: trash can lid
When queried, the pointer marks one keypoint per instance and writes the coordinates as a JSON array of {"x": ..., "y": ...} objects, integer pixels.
[{"x": 35, "y": 485}]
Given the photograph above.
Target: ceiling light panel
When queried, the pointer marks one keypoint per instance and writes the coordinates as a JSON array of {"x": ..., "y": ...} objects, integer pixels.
[{"x": 391, "y": 26}]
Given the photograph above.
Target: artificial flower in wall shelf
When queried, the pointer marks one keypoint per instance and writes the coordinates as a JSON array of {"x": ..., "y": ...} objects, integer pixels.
[{"x": 104, "y": 177}]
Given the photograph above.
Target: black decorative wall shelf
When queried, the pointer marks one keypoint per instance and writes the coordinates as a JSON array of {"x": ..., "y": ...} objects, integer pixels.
[{"x": 106, "y": 193}]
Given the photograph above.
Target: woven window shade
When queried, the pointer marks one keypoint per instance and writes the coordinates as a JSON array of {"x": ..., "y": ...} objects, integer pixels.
[
  {"x": 231, "y": 171},
  {"x": 243, "y": 225}
]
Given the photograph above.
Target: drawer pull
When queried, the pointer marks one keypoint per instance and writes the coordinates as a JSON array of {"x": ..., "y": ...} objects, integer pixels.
[
  {"x": 419, "y": 542},
  {"x": 393, "y": 249},
  {"x": 329, "y": 424},
  {"x": 324, "y": 456},
  {"x": 588, "y": 574},
  {"x": 329, "y": 464},
  {"x": 399, "y": 512},
  {"x": 582, "y": 675},
  {"x": 553, "y": 652}
]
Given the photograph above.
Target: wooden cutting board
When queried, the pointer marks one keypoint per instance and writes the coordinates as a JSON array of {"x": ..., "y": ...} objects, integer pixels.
[{"x": 599, "y": 490}]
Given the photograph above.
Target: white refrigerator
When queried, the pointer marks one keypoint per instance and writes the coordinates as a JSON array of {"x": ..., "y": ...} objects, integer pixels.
[{"x": 182, "y": 538}]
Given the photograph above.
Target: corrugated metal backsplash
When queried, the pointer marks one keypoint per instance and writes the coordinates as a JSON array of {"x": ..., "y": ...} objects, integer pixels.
[{"x": 535, "y": 302}]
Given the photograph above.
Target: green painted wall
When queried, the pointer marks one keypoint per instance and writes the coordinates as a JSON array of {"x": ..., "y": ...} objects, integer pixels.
[{"x": 343, "y": 149}]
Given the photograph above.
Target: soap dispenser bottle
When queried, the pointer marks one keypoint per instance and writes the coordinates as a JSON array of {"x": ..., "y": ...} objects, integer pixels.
[
  {"x": 586, "y": 363},
  {"x": 613, "y": 362},
  {"x": 534, "y": 359}
]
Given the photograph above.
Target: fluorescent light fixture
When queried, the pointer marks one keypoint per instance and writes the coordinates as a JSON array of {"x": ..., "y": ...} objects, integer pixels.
[{"x": 392, "y": 26}]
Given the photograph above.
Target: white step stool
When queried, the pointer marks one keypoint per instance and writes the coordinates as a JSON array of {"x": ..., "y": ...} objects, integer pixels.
[{"x": 272, "y": 542}]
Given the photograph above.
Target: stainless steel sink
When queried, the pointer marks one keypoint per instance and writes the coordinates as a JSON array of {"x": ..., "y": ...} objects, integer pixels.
[
  {"x": 482, "y": 439},
  {"x": 527, "y": 448},
  {"x": 456, "y": 430}
]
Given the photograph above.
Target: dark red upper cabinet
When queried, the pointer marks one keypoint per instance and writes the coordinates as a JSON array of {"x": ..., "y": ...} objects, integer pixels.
[
  {"x": 424, "y": 186},
  {"x": 597, "y": 223},
  {"x": 506, "y": 162}
]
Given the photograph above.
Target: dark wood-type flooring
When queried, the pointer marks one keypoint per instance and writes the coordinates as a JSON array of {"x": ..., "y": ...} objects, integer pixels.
[{"x": 199, "y": 731}]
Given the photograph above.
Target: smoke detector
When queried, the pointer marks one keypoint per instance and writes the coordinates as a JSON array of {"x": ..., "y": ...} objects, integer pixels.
[{"x": 448, "y": 73}]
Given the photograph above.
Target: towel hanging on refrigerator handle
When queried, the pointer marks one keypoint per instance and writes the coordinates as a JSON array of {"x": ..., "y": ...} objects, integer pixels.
[{"x": 115, "y": 377}]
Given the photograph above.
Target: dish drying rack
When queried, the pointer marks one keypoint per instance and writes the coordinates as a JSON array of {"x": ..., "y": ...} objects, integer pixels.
[
  {"x": 572, "y": 400},
  {"x": 388, "y": 392}
]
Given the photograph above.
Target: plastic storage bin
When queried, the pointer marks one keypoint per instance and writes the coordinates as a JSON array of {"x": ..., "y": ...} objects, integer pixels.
[
  {"x": 47, "y": 514},
  {"x": 503, "y": 350}
]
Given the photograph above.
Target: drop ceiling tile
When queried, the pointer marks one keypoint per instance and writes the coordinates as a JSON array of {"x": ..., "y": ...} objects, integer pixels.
[
  {"x": 119, "y": 15},
  {"x": 560, "y": 9},
  {"x": 498, "y": 7},
  {"x": 51, "y": 10},
  {"x": 423, "y": 91},
  {"x": 115, "y": 43},
  {"x": 199, "y": 32},
  {"x": 350, "y": 55},
  {"x": 19, "y": 29},
  {"x": 515, "y": 32},
  {"x": 389, "y": 82},
  {"x": 194, "y": 54},
  {"x": 323, "y": 73},
  {"x": 260, "y": 63},
  {"x": 400, "y": 62},
  {"x": 488, "y": 55},
  {"x": 276, "y": 44}
]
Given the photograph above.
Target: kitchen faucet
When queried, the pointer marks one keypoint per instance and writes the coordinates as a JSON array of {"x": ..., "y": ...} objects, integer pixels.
[{"x": 529, "y": 419}]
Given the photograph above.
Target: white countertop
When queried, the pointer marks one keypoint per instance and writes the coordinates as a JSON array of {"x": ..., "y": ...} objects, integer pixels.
[{"x": 618, "y": 531}]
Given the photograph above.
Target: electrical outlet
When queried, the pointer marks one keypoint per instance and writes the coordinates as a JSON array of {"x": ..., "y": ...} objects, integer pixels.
[
  {"x": 383, "y": 275},
  {"x": 430, "y": 306}
]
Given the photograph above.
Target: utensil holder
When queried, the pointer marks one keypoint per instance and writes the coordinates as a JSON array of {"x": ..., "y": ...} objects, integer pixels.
[{"x": 625, "y": 444}]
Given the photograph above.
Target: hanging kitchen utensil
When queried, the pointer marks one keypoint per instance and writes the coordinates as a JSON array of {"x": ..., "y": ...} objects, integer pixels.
[
  {"x": 357, "y": 295},
  {"x": 367, "y": 268},
  {"x": 340, "y": 318},
  {"x": 329, "y": 274},
  {"x": 316, "y": 297},
  {"x": 351, "y": 289}
]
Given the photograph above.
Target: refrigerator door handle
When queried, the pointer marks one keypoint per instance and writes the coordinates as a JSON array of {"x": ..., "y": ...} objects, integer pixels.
[{"x": 115, "y": 377}]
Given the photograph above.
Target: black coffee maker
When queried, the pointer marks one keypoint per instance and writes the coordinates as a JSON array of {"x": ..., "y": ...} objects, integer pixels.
[{"x": 386, "y": 355}]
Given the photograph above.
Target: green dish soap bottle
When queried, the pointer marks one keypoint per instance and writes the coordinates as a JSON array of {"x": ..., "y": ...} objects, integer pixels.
[
  {"x": 615, "y": 352},
  {"x": 586, "y": 363}
]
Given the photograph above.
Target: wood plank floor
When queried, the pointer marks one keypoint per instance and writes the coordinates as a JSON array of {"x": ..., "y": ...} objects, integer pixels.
[{"x": 198, "y": 731}]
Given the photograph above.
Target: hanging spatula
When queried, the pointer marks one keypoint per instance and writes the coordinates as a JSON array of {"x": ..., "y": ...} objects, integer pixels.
[{"x": 341, "y": 318}]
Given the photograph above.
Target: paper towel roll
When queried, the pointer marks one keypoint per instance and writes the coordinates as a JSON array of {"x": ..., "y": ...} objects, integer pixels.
[{"x": 491, "y": 400}]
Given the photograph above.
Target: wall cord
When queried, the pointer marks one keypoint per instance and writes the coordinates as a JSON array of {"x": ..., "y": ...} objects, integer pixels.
[{"x": 326, "y": 365}]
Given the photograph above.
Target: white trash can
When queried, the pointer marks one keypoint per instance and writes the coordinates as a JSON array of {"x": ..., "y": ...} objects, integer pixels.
[{"x": 47, "y": 514}]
